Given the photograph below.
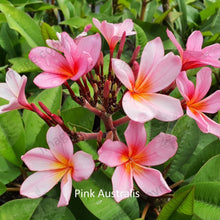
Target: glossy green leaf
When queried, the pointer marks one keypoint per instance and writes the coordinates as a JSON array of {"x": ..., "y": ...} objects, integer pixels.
[
  {"x": 47, "y": 209},
  {"x": 18, "y": 209},
  {"x": 209, "y": 172},
  {"x": 48, "y": 32},
  {"x": 187, "y": 134},
  {"x": 183, "y": 17},
  {"x": 8, "y": 171},
  {"x": 207, "y": 200},
  {"x": 67, "y": 8},
  {"x": 95, "y": 193},
  {"x": 78, "y": 117},
  {"x": 24, "y": 24},
  {"x": 23, "y": 65},
  {"x": 3, "y": 188},
  {"x": 181, "y": 203},
  {"x": 77, "y": 22},
  {"x": 106, "y": 8},
  {"x": 202, "y": 156},
  {"x": 12, "y": 142},
  {"x": 141, "y": 38},
  {"x": 8, "y": 40},
  {"x": 150, "y": 10},
  {"x": 35, "y": 127}
]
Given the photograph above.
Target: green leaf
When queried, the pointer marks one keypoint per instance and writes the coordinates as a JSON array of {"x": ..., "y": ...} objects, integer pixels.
[
  {"x": 89, "y": 147},
  {"x": 8, "y": 40},
  {"x": 181, "y": 203},
  {"x": 23, "y": 65},
  {"x": 48, "y": 32},
  {"x": 47, "y": 209},
  {"x": 77, "y": 22},
  {"x": 150, "y": 10},
  {"x": 95, "y": 193},
  {"x": 3, "y": 188},
  {"x": 163, "y": 16},
  {"x": 203, "y": 155},
  {"x": 35, "y": 127},
  {"x": 209, "y": 172},
  {"x": 24, "y": 24},
  {"x": 187, "y": 134},
  {"x": 209, "y": 11},
  {"x": 207, "y": 200},
  {"x": 12, "y": 142},
  {"x": 106, "y": 8},
  {"x": 141, "y": 38},
  {"x": 8, "y": 171},
  {"x": 183, "y": 17},
  {"x": 78, "y": 117},
  {"x": 18, "y": 209},
  {"x": 67, "y": 8}
]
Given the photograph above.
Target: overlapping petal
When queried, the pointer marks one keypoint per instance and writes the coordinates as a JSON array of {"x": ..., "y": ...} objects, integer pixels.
[
  {"x": 40, "y": 183},
  {"x": 124, "y": 73},
  {"x": 41, "y": 159},
  {"x": 113, "y": 153},
  {"x": 122, "y": 182},
  {"x": 134, "y": 131},
  {"x": 60, "y": 144},
  {"x": 83, "y": 166},
  {"x": 160, "y": 76},
  {"x": 66, "y": 189},
  {"x": 194, "y": 41},
  {"x": 158, "y": 151},
  {"x": 185, "y": 86},
  {"x": 203, "y": 83},
  {"x": 150, "y": 181},
  {"x": 205, "y": 124},
  {"x": 153, "y": 52}
]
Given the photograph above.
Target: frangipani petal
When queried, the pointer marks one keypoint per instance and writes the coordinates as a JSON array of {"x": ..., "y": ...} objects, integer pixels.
[
  {"x": 40, "y": 183},
  {"x": 134, "y": 131},
  {"x": 60, "y": 144},
  {"x": 212, "y": 50},
  {"x": 158, "y": 151},
  {"x": 194, "y": 41},
  {"x": 211, "y": 104},
  {"x": 66, "y": 190},
  {"x": 122, "y": 182},
  {"x": 153, "y": 52},
  {"x": 14, "y": 81},
  {"x": 150, "y": 181},
  {"x": 124, "y": 73},
  {"x": 92, "y": 46},
  {"x": 5, "y": 92},
  {"x": 161, "y": 75},
  {"x": 185, "y": 86},
  {"x": 49, "y": 80},
  {"x": 83, "y": 166},
  {"x": 41, "y": 159},
  {"x": 204, "y": 123},
  {"x": 175, "y": 42},
  {"x": 50, "y": 61},
  {"x": 113, "y": 153},
  {"x": 136, "y": 108},
  {"x": 203, "y": 83}
]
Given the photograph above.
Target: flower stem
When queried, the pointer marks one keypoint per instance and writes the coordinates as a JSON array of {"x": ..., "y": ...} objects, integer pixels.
[
  {"x": 145, "y": 211},
  {"x": 121, "y": 121}
]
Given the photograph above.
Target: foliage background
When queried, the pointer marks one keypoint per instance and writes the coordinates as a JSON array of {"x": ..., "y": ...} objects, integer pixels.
[{"x": 195, "y": 169}]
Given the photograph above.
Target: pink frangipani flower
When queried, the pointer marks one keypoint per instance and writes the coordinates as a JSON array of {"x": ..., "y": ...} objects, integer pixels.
[
  {"x": 78, "y": 60},
  {"x": 141, "y": 102},
  {"x": 14, "y": 91},
  {"x": 196, "y": 106},
  {"x": 131, "y": 161},
  {"x": 57, "y": 44},
  {"x": 194, "y": 56},
  {"x": 53, "y": 164},
  {"x": 113, "y": 32}
]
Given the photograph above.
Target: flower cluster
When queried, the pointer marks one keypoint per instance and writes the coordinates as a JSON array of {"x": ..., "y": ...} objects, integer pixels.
[{"x": 80, "y": 61}]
